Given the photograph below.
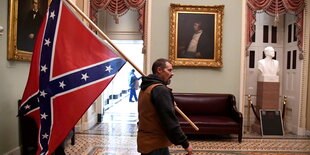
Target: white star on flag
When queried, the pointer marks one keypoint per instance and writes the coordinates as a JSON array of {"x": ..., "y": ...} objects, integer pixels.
[
  {"x": 27, "y": 106},
  {"x": 108, "y": 68},
  {"x": 47, "y": 42},
  {"x": 52, "y": 14},
  {"x": 45, "y": 136},
  {"x": 62, "y": 84},
  {"x": 38, "y": 99},
  {"x": 85, "y": 76},
  {"x": 43, "y": 116},
  {"x": 44, "y": 68},
  {"x": 43, "y": 93}
]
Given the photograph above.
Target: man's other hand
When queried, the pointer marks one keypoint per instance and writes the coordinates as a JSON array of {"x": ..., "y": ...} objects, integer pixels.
[{"x": 189, "y": 150}]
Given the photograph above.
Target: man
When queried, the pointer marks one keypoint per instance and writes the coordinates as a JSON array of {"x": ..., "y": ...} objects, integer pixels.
[
  {"x": 31, "y": 26},
  {"x": 133, "y": 86},
  {"x": 198, "y": 46},
  {"x": 158, "y": 125}
]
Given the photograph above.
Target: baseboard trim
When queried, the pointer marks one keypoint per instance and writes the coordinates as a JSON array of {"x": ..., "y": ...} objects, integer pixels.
[
  {"x": 113, "y": 99},
  {"x": 15, "y": 151}
]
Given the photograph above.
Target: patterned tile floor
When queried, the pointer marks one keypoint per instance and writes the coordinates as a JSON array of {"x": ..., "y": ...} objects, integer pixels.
[{"x": 117, "y": 136}]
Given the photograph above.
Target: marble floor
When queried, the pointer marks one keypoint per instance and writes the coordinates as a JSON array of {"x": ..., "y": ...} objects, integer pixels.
[{"x": 116, "y": 135}]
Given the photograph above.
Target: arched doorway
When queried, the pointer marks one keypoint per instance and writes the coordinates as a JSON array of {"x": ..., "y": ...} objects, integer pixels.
[{"x": 280, "y": 30}]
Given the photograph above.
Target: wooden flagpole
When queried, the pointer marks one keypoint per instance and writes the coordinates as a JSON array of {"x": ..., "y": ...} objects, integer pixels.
[{"x": 124, "y": 56}]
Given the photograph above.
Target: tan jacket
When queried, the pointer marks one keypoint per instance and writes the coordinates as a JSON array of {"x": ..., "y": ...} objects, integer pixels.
[{"x": 151, "y": 135}]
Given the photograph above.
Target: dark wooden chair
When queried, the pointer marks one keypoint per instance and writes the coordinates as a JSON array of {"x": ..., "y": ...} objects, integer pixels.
[{"x": 28, "y": 132}]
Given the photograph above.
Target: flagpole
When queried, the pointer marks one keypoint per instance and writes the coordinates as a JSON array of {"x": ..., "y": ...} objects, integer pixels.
[{"x": 124, "y": 56}]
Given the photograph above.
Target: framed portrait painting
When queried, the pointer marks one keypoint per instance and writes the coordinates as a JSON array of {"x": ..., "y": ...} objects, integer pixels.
[
  {"x": 25, "y": 18},
  {"x": 196, "y": 35}
]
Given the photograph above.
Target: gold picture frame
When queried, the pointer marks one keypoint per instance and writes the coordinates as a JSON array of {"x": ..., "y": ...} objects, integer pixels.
[
  {"x": 196, "y": 35},
  {"x": 24, "y": 24}
]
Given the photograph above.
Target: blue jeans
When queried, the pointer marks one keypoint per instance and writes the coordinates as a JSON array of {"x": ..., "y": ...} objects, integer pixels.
[
  {"x": 132, "y": 94},
  {"x": 161, "y": 151}
]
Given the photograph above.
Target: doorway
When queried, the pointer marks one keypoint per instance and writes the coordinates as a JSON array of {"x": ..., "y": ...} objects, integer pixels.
[
  {"x": 282, "y": 38},
  {"x": 118, "y": 89},
  {"x": 116, "y": 115}
]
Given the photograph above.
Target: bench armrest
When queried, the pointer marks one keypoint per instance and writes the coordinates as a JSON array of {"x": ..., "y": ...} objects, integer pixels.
[{"x": 234, "y": 111}]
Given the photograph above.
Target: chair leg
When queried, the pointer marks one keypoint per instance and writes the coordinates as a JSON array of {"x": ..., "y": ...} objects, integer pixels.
[
  {"x": 240, "y": 137},
  {"x": 73, "y": 137}
]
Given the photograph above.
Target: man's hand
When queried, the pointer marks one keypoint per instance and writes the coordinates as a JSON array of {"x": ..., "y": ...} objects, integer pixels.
[
  {"x": 31, "y": 35},
  {"x": 198, "y": 55},
  {"x": 189, "y": 150}
]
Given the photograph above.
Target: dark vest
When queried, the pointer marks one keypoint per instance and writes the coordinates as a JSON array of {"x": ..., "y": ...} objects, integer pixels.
[{"x": 151, "y": 135}]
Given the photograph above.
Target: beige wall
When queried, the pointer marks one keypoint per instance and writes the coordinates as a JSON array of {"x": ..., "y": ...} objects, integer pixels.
[
  {"x": 207, "y": 80},
  {"x": 13, "y": 77},
  {"x": 308, "y": 106},
  {"x": 197, "y": 79},
  {"x": 308, "y": 99},
  {"x": 126, "y": 29},
  {"x": 307, "y": 52}
]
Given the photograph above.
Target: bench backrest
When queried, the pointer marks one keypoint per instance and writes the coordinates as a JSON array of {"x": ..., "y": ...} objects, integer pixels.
[{"x": 204, "y": 104}]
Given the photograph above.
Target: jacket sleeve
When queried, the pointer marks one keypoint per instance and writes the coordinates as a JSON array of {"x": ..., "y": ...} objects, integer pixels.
[{"x": 163, "y": 103}]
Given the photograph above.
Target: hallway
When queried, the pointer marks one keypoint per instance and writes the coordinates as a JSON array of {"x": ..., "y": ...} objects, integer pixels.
[
  {"x": 119, "y": 120},
  {"x": 116, "y": 135}
]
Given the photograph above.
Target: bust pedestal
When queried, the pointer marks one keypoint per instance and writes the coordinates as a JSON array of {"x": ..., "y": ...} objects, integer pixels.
[
  {"x": 268, "y": 95},
  {"x": 267, "y": 99}
]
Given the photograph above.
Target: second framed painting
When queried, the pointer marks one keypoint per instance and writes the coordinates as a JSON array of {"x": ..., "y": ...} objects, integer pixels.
[
  {"x": 196, "y": 35},
  {"x": 26, "y": 17}
]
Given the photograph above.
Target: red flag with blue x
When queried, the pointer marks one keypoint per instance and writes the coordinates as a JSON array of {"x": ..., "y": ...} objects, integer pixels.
[{"x": 70, "y": 68}]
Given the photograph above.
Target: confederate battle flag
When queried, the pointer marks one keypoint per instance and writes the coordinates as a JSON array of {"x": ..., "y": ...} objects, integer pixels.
[{"x": 70, "y": 67}]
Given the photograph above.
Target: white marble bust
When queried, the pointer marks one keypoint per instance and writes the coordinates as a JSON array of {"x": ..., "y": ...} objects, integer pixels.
[{"x": 268, "y": 68}]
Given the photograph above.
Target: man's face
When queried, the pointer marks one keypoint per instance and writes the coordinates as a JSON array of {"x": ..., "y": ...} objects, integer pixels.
[
  {"x": 196, "y": 27},
  {"x": 35, "y": 5},
  {"x": 166, "y": 73}
]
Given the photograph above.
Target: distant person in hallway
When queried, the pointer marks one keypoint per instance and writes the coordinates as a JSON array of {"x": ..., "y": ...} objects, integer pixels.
[
  {"x": 133, "y": 86},
  {"x": 268, "y": 66},
  {"x": 158, "y": 126}
]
